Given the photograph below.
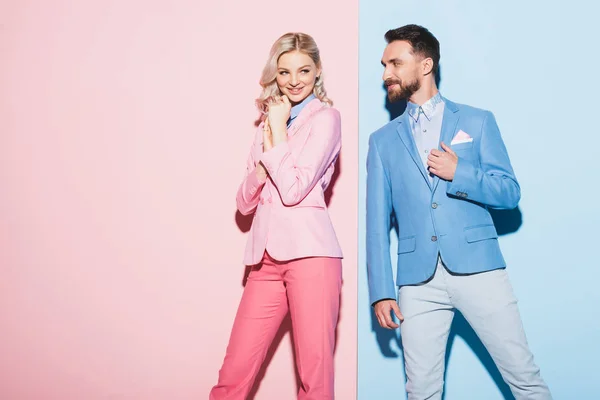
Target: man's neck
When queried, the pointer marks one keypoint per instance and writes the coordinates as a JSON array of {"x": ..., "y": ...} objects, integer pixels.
[{"x": 423, "y": 95}]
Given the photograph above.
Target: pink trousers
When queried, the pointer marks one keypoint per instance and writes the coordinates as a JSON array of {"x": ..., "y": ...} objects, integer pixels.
[{"x": 309, "y": 289}]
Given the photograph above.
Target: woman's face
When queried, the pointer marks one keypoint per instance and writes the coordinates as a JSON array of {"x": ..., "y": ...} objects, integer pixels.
[{"x": 296, "y": 75}]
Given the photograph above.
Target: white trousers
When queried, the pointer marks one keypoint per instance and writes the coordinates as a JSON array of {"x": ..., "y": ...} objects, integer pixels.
[{"x": 489, "y": 305}]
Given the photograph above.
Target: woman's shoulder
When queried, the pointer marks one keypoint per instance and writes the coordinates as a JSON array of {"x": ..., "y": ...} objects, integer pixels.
[
  {"x": 327, "y": 119},
  {"x": 327, "y": 113}
]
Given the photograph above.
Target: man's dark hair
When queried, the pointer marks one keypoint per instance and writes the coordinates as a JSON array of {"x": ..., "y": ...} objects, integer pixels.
[{"x": 422, "y": 41}]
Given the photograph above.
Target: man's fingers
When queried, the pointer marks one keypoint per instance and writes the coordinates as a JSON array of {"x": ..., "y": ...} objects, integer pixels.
[
  {"x": 447, "y": 148},
  {"x": 433, "y": 164},
  {"x": 387, "y": 316},
  {"x": 380, "y": 320},
  {"x": 383, "y": 312},
  {"x": 397, "y": 312},
  {"x": 390, "y": 322}
]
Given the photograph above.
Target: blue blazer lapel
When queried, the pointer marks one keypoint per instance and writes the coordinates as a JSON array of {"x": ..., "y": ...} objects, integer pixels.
[
  {"x": 449, "y": 123},
  {"x": 405, "y": 133}
]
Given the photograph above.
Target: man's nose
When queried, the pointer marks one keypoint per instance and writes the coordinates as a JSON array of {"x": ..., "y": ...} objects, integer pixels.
[{"x": 386, "y": 74}]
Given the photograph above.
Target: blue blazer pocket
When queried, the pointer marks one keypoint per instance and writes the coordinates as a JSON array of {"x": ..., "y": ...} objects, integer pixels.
[
  {"x": 480, "y": 232},
  {"x": 407, "y": 244},
  {"x": 462, "y": 146}
]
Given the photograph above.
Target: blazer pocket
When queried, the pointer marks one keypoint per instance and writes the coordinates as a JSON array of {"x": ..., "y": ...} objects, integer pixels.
[
  {"x": 316, "y": 206},
  {"x": 407, "y": 244},
  {"x": 310, "y": 203},
  {"x": 462, "y": 146},
  {"x": 480, "y": 232},
  {"x": 314, "y": 199}
]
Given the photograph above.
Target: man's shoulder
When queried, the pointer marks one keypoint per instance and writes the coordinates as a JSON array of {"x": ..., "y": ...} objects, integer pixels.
[
  {"x": 467, "y": 110},
  {"x": 385, "y": 132}
]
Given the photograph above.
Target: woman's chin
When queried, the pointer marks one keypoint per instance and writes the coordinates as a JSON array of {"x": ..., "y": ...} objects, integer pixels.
[{"x": 297, "y": 98}]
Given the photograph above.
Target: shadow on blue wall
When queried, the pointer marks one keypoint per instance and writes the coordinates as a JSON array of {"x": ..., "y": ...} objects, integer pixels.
[{"x": 506, "y": 222}]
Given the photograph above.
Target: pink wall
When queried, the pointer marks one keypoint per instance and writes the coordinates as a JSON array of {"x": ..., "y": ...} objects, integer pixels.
[{"x": 124, "y": 129}]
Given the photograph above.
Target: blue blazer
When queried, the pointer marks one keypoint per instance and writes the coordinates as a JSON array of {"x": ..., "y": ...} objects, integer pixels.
[{"x": 446, "y": 218}]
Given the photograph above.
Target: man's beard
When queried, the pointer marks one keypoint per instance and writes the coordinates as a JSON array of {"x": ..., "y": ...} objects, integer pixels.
[{"x": 404, "y": 92}]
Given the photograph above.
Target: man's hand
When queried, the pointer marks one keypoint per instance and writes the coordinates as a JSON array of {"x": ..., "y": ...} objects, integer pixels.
[
  {"x": 383, "y": 312},
  {"x": 443, "y": 163}
]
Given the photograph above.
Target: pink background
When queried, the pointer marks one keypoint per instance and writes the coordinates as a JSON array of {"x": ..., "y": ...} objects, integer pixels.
[{"x": 124, "y": 130}]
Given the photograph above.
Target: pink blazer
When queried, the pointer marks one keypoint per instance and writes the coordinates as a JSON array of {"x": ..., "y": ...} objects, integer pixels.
[{"x": 291, "y": 219}]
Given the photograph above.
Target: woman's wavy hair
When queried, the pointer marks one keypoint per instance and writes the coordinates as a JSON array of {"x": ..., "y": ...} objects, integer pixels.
[{"x": 286, "y": 43}]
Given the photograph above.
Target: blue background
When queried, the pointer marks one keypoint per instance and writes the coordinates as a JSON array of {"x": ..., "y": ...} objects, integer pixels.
[{"x": 533, "y": 64}]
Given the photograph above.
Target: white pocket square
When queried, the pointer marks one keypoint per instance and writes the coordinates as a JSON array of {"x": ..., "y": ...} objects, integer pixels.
[{"x": 461, "y": 137}]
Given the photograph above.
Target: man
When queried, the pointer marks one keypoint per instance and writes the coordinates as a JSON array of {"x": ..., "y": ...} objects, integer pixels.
[{"x": 439, "y": 167}]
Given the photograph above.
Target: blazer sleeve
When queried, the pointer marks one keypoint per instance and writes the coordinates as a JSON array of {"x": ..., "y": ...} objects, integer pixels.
[
  {"x": 248, "y": 193},
  {"x": 379, "y": 210},
  {"x": 295, "y": 176},
  {"x": 494, "y": 183}
]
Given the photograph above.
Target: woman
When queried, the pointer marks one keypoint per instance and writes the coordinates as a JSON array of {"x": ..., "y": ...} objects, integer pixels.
[{"x": 292, "y": 246}]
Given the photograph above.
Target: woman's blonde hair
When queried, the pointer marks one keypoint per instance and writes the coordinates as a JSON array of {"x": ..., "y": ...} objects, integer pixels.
[{"x": 286, "y": 43}]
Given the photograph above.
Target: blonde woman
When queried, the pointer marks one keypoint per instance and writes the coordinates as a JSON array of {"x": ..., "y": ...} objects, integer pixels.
[{"x": 292, "y": 246}]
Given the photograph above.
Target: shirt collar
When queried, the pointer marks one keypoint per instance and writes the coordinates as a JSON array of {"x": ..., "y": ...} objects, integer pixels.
[
  {"x": 295, "y": 111},
  {"x": 428, "y": 108}
]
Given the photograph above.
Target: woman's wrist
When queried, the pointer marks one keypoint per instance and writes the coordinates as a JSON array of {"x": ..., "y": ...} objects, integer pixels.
[{"x": 261, "y": 172}]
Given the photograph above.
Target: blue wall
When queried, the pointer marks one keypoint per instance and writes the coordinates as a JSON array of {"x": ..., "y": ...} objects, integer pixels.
[{"x": 534, "y": 65}]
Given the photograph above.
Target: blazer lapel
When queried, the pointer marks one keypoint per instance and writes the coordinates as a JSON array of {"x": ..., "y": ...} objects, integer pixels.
[
  {"x": 308, "y": 110},
  {"x": 406, "y": 136},
  {"x": 449, "y": 123}
]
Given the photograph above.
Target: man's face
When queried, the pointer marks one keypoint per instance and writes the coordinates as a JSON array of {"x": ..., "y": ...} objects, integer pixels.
[{"x": 401, "y": 75}]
